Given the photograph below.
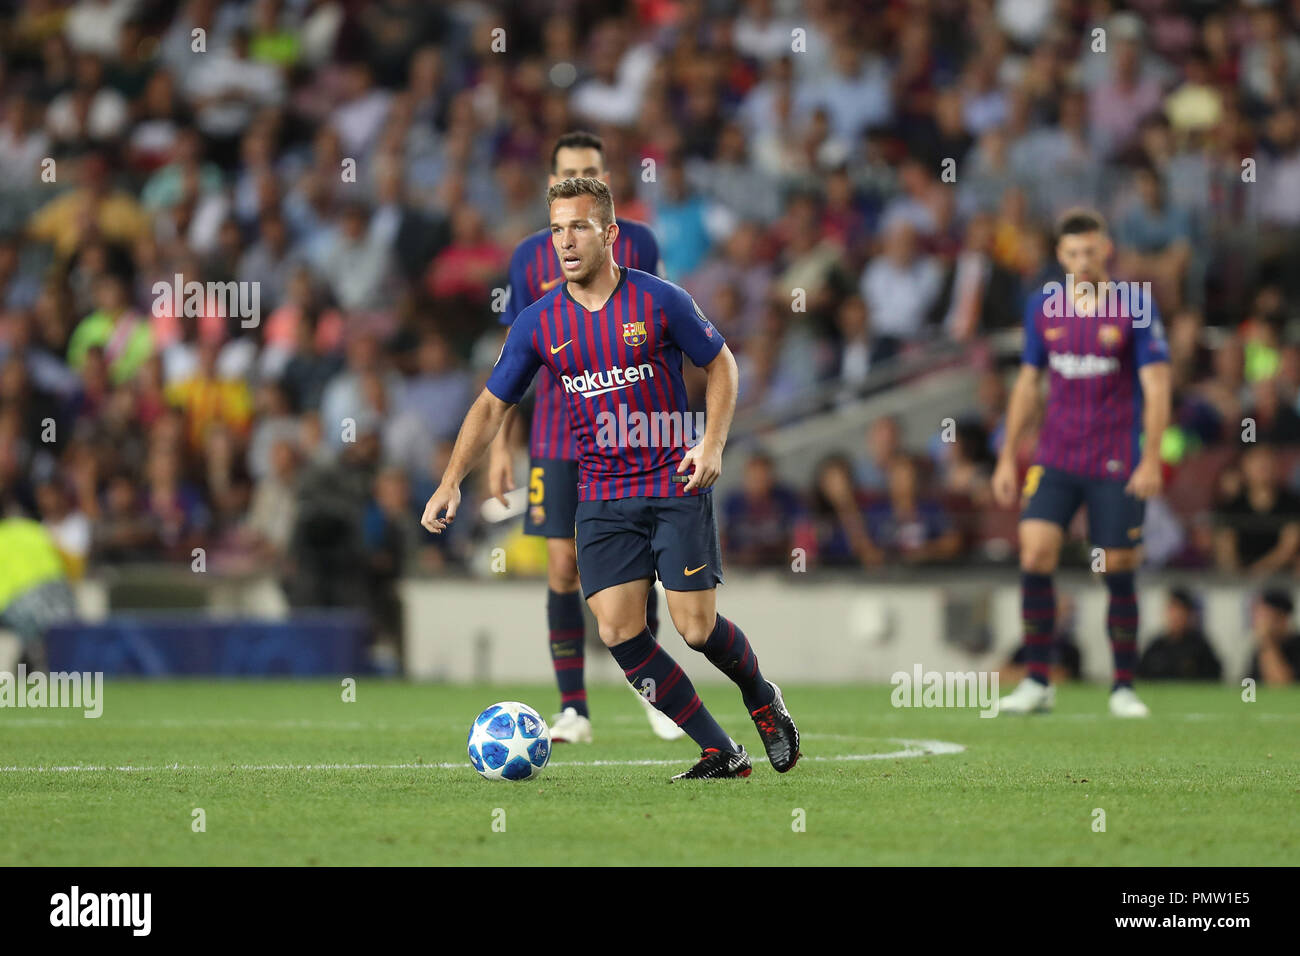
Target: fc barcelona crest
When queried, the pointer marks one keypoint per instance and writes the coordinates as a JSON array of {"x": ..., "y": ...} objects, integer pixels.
[
  {"x": 634, "y": 333},
  {"x": 1109, "y": 335}
]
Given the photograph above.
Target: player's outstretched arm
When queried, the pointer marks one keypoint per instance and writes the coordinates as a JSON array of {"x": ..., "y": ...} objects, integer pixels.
[
  {"x": 1021, "y": 409},
  {"x": 476, "y": 433},
  {"x": 720, "y": 406}
]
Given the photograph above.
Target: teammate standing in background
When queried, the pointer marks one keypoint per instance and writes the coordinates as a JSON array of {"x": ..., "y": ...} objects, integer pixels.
[
  {"x": 553, "y": 454},
  {"x": 1107, "y": 408}
]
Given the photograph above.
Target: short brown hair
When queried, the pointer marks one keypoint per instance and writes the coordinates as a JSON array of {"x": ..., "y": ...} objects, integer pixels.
[
  {"x": 571, "y": 188},
  {"x": 1079, "y": 220},
  {"x": 578, "y": 139}
]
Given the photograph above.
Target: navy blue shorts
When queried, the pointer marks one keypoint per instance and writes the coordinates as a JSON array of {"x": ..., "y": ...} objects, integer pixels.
[
  {"x": 632, "y": 539},
  {"x": 1114, "y": 516},
  {"x": 552, "y": 498}
]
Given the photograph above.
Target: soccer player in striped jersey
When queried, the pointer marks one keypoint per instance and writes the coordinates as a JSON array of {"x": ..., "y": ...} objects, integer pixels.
[
  {"x": 1108, "y": 403},
  {"x": 614, "y": 338},
  {"x": 553, "y": 451}
]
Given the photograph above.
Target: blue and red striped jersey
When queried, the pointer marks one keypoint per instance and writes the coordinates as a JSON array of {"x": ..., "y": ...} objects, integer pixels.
[
  {"x": 1092, "y": 425},
  {"x": 619, "y": 373},
  {"x": 534, "y": 271}
]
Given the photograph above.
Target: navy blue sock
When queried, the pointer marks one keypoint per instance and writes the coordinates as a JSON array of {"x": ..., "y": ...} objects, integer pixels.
[
  {"x": 1122, "y": 625},
  {"x": 1038, "y": 613},
  {"x": 655, "y": 675},
  {"x": 652, "y": 611},
  {"x": 564, "y": 618},
  {"x": 730, "y": 652}
]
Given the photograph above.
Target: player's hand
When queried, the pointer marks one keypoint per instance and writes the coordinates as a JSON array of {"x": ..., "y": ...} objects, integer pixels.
[
  {"x": 1146, "y": 480},
  {"x": 707, "y": 461},
  {"x": 1004, "y": 483},
  {"x": 501, "y": 475},
  {"x": 446, "y": 498}
]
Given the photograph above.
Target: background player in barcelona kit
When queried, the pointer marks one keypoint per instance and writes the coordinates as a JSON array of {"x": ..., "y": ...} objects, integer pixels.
[
  {"x": 615, "y": 337},
  {"x": 553, "y": 450},
  {"x": 1108, "y": 383}
]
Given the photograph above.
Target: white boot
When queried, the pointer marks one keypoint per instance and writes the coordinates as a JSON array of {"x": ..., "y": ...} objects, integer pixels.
[
  {"x": 570, "y": 727},
  {"x": 1124, "y": 702},
  {"x": 1030, "y": 697}
]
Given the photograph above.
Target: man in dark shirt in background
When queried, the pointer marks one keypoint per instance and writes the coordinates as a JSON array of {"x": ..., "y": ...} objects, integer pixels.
[
  {"x": 1181, "y": 651},
  {"x": 1259, "y": 529},
  {"x": 1277, "y": 654},
  {"x": 760, "y": 517}
]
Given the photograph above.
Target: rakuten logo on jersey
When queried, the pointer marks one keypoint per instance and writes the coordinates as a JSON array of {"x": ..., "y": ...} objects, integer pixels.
[
  {"x": 591, "y": 384},
  {"x": 1069, "y": 365}
]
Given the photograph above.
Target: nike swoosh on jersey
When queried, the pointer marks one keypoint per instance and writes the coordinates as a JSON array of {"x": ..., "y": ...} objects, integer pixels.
[
  {"x": 550, "y": 284},
  {"x": 559, "y": 347},
  {"x": 689, "y": 572}
]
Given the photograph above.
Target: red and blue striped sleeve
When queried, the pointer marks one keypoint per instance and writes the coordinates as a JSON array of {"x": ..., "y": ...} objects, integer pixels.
[{"x": 517, "y": 296}]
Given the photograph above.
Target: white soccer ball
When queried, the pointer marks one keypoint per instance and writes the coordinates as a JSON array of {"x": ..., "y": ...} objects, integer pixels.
[{"x": 509, "y": 741}]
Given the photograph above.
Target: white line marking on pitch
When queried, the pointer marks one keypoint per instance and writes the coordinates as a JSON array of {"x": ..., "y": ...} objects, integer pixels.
[{"x": 911, "y": 748}]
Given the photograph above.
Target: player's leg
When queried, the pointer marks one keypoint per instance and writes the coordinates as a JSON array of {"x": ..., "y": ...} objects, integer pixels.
[
  {"x": 1121, "y": 629},
  {"x": 695, "y": 616},
  {"x": 1051, "y": 499},
  {"x": 1115, "y": 525},
  {"x": 689, "y": 561},
  {"x": 567, "y": 632},
  {"x": 1040, "y": 552},
  {"x": 652, "y": 612},
  {"x": 617, "y": 567},
  {"x": 660, "y": 723},
  {"x": 652, "y": 672},
  {"x": 552, "y": 501}
]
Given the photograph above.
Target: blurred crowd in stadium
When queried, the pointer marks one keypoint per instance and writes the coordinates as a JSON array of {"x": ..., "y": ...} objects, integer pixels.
[{"x": 370, "y": 166}]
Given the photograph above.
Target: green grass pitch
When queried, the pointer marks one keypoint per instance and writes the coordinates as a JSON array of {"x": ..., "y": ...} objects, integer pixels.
[{"x": 288, "y": 773}]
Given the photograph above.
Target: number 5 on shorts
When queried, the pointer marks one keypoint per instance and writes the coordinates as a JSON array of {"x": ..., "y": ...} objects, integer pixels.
[
  {"x": 536, "y": 490},
  {"x": 1032, "y": 477}
]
